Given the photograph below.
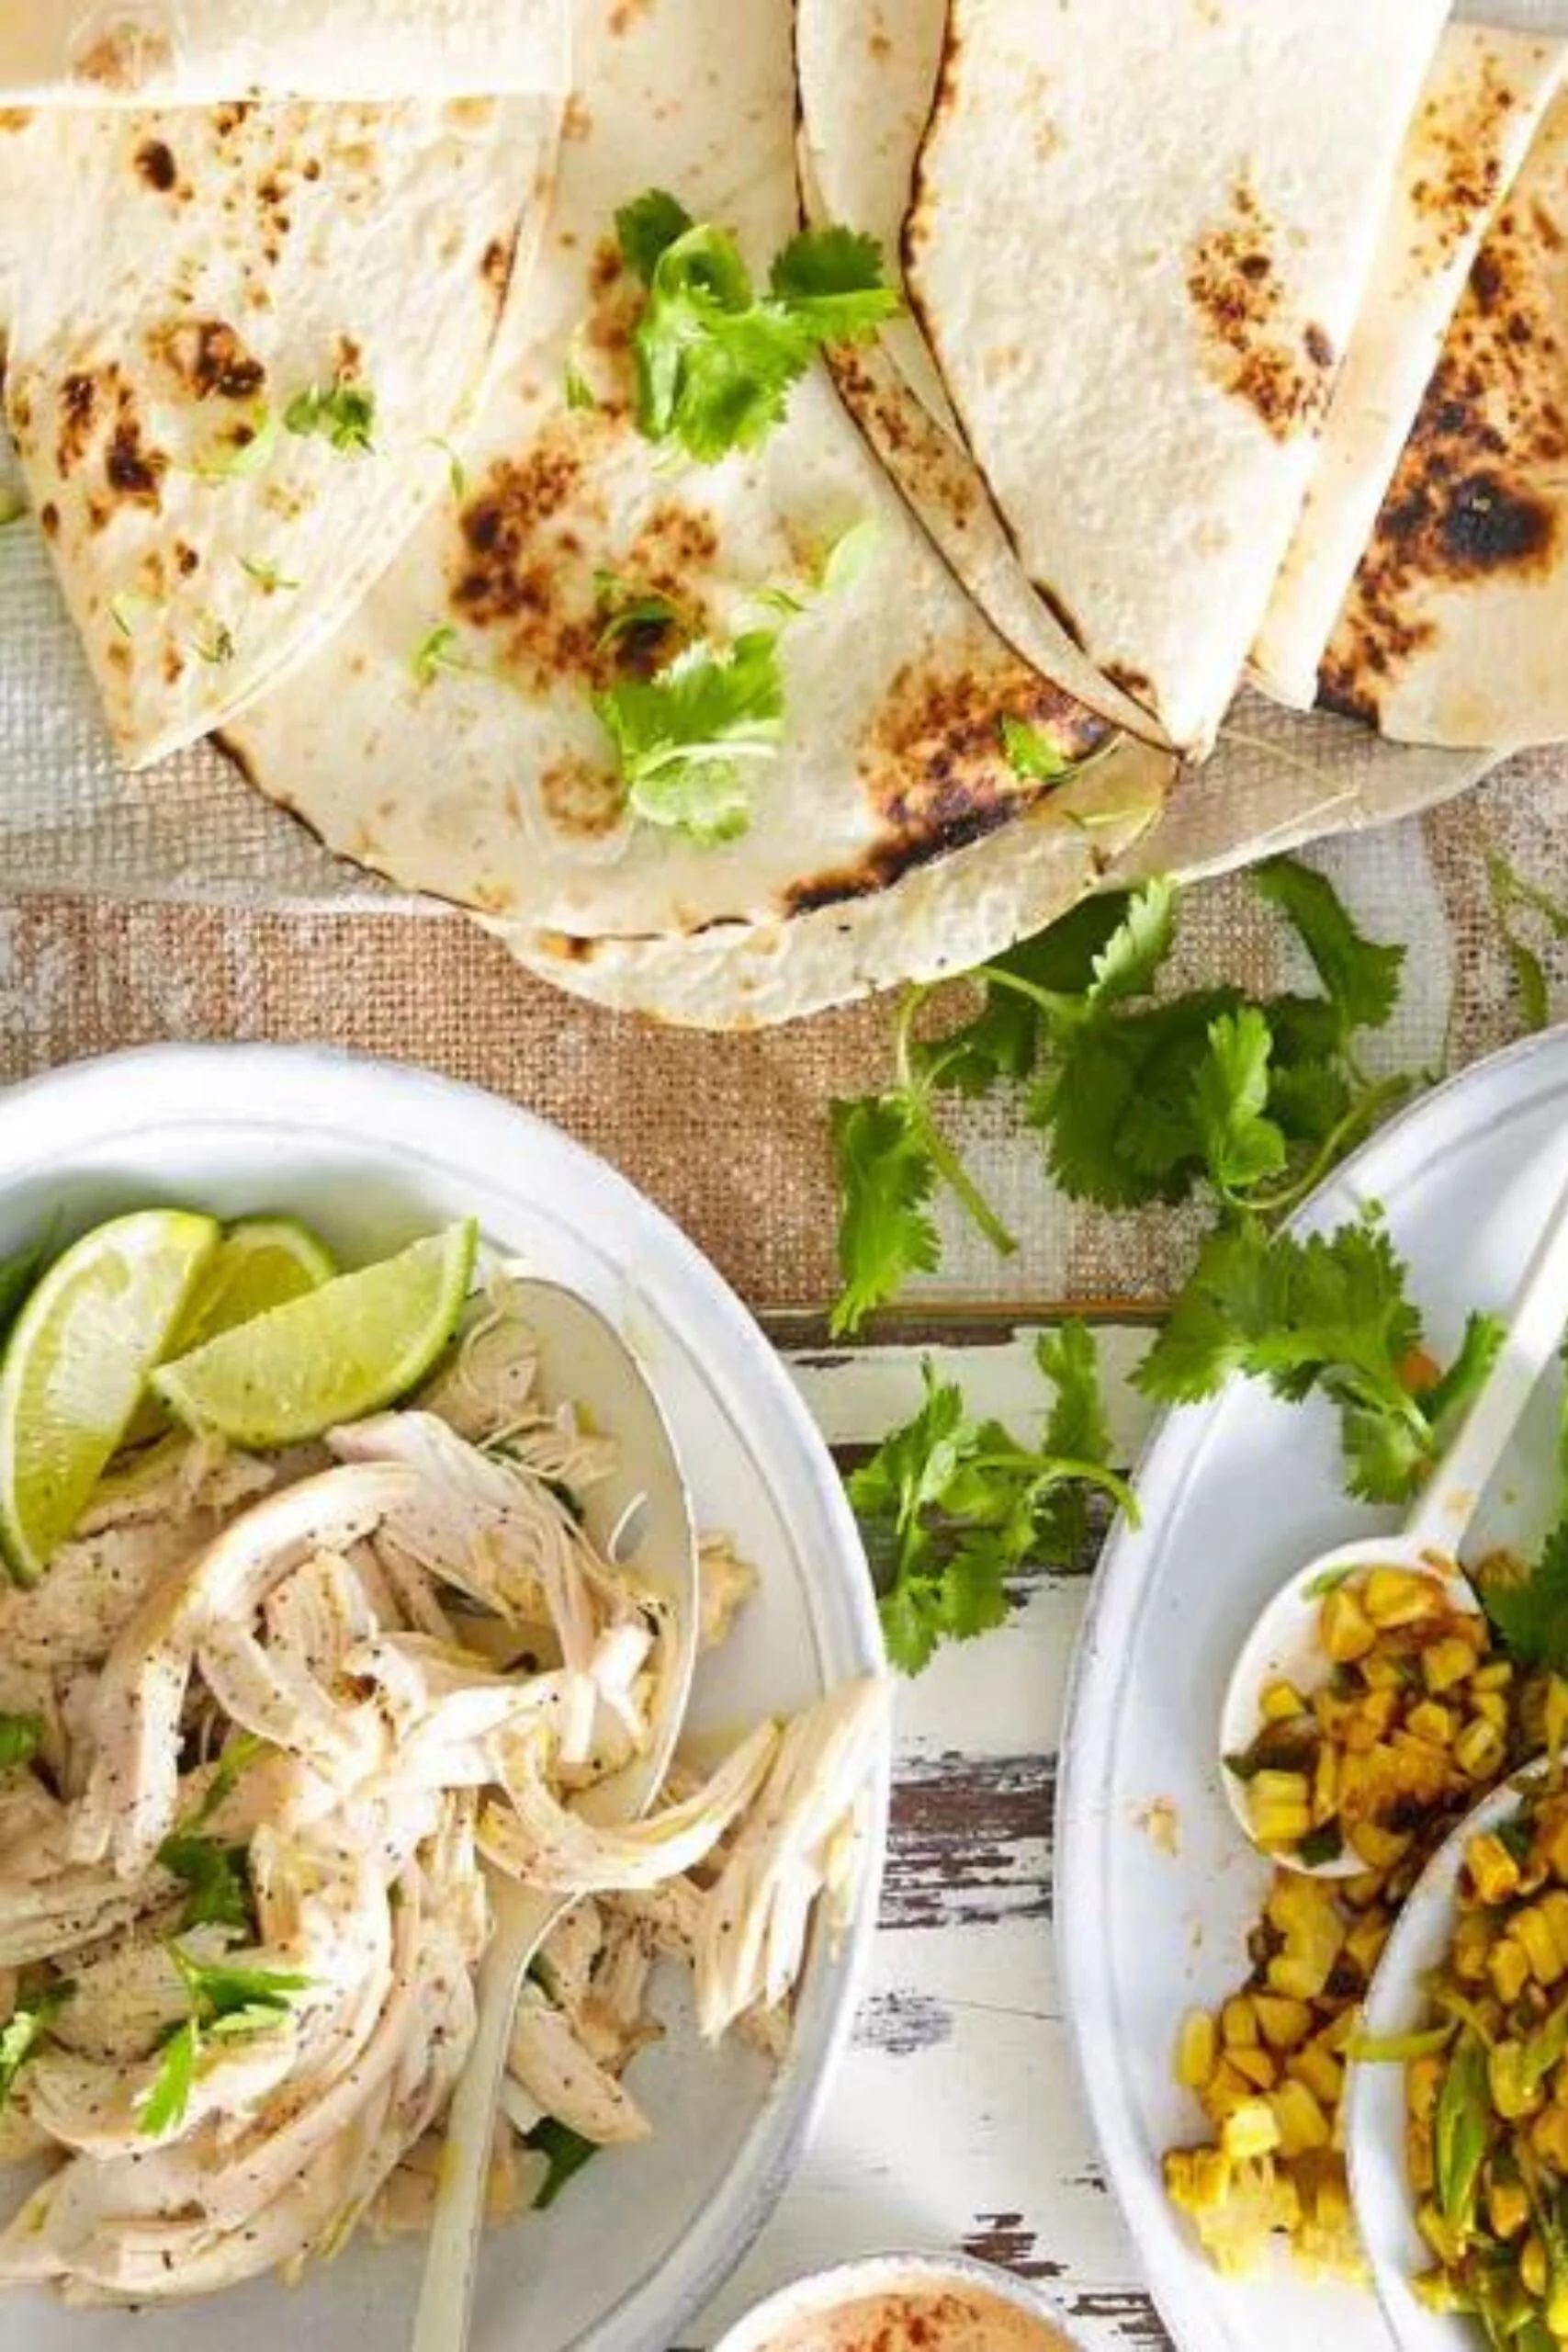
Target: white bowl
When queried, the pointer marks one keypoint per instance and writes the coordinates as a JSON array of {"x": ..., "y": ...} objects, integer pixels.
[
  {"x": 829, "y": 2292},
  {"x": 1374, "y": 2107},
  {"x": 371, "y": 1155}
]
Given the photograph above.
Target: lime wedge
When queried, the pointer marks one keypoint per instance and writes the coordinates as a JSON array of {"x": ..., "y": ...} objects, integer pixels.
[
  {"x": 262, "y": 1263},
  {"x": 342, "y": 1350},
  {"x": 76, "y": 1366}
]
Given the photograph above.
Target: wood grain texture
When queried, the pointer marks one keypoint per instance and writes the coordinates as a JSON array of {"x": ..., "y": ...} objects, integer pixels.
[{"x": 957, "y": 2123}]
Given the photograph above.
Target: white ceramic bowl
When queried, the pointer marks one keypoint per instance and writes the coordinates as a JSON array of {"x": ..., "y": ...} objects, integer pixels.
[
  {"x": 830, "y": 2291},
  {"x": 371, "y": 1155},
  {"x": 1374, "y": 2110}
]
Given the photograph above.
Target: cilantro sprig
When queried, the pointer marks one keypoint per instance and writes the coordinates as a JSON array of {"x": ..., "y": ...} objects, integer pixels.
[
  {"x": 951, "y": 1506},
  {"x": 20, "y": 1739},
  {"x": 685, "y": 737},
  {"x": 715, "y": 359},
  {"x": 226, "y": 2004},
  {"x": 1517, "y": 903}
]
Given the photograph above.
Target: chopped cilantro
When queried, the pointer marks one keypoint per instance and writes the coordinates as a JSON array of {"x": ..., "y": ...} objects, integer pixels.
[
  {"x": 1032, "y": 753},
  {"x": 344, "y": 414},
  {"x": 218, "y": 646},
  {"x": 1529, "y": 1609},
  {"x": 715, "y": 360},
  {"x": 267, "y": 577},
  {"x": 1512, "y": 898},
  {"x": 434, "y": 653},
  {"x": 25, "y": 2029},
  {"x": 567, "y": 2152},
  {"x": 215, "y": 1874},
  {"x": 20, "y": 1738},
  {"x": 225, "y": 2002},
  {"x": 245, "y": 451},
  {"x": 685, "y": 737}
]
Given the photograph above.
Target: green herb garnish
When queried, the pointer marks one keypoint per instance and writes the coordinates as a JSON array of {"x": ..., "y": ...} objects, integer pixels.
[
  {"x": 226, "y": 2004},
  {"x": 951, "y": 1506},
  {"x": 685, "y": 737},
  {"x": 25, "y": 2029},
  {"x": 215, "y": 1875},
  {"x": 434, "y": 653},
  {"x": 242, "y": 453},
  {"x": 344, "y": 414},
  {"x": 218, "y": 646},
  {"x": 1033, "y": 755},
  {"x": 267, "y": 577},
  {"x": 20, "y": 1738},
  {"x": 567, "y": 2152},
  {"x": 715, "y": 359},
  {"x": 1460, "y": 2134}
]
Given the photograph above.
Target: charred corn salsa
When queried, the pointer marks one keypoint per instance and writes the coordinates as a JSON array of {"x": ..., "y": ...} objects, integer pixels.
[
  {"x": 1268, "y": 2067},
  {"x": 1487, "y": 2128},
  {"x": 1413, "y": 1717}
]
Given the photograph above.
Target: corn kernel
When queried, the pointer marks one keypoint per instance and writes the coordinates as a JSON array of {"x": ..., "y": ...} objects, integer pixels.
[
  {"x": 1238, "y": 2024},
  {"x": 1380, "y": 1847},
  {"x": 1472, "y": 1948},
  {"x": 1508, "y": 2207},
  {"x": 1326, "y": 1784},
  {"x": 1256, "y": 2065},
  {"x": 1423, "y": 2081},
  {"x": 1321, "y": 2073},
  {"x": 1479, "y": 1749},
  {"x": 1399, "y": 1597},
  {"x": 1495, "y": 1675},
  {"x": 1490, "y": 1707},
  {"x": 1437, "y": 2233},
  {"x": 1445, "y": 1663},
  {"x": 1511, "y": 2094},
  {"x": 1224, "y": 2091},
  {"x": 1344, "y": 1627},
  {"x": 1431, "y": 1722},
  {"x": 1533, "y": 2266},
  {"x": 1251, "y": 2130},
  {"x": 1548, "y": 2138},
  {"x": 1196, "y": 2178},
  {"x": 1533, "y": 1930},
  {"x": 1419, "y": 2163},
  {"x": 1280, "y": 1702},
  {"x": 1384, "y": 1676},
  {"x": 1509, "y": 1969},
  {"x": 1284, "y": 2025},
  {"x": 1196, "y": 2049},
  {"x": 1300, "y": 2121},
  {"x": 1492, "y": 1870},
  {"x": 1365, "y": 1942}
]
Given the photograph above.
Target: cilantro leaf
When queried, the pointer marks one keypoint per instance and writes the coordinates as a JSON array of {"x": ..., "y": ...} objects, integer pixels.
[
  {"x": 1530, "y": 1611},
  {"x": 1241, "y": 1143},
  {"x": 167, "y": 2102},
  {"x": 647, "y": 227},
  {"x": 434, "y": 653},
  {"x": 25, "y": 2029},
  {"x": 20, "y": 1737},
  {"x": 1032, "y": 753},
  {"x": 267, "y": 577},
  {"x": 1118, "y": 1105},
  {"x": 342, "y": 413},
  {"x": 1511, "y": 893},
  {"x": 217, "y": 1989},
  {"x": 1360, "y": 975},
  {"x": 950, "y": 1506},
  {"x": 1129, "y": 961},
  {"x": 243, "y": 1750},
  {"x": 682, "y": 736},
  {"x": 714, "y": 359},
  {"x": 886, "y": 1179},
  {"x": 220, "y": 1893},
  {"x": 567, "y": 2152},
  {"x": 1077, "y": 1429},
  {"x": 830, "y": 281}
]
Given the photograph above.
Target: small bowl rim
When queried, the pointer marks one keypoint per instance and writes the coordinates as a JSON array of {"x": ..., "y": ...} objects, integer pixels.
[{"x": 818, "y": 2293}]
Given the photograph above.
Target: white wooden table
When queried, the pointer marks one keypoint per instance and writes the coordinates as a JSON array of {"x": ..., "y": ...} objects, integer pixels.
[{"x": 956, "y": 2122}]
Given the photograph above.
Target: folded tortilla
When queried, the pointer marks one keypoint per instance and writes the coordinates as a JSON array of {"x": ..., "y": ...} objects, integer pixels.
[
  {"x": 1137, "y": 254},
  {"x": 195, "y": 52},
  {"x": 215, "y": 269},
  {"x": 1479, "y": 111},
  {"x": 867, "y": 76},
  {"x": 490, "y": 780},
  {"x": 1455, "y": 630}
]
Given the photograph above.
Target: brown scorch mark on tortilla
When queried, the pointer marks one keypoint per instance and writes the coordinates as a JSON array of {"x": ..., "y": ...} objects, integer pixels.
[
  {"x": 1481, "y": 489},
  {"x": 15, "y": 117},
  {"x": 1252, "y": 345},
  {"x": 1460, "y": 183},
  {"x": 583, "y": 802},
  {"x": 155, "y": 163},
  {"x": 206, "y": 356},
  {"x": 935, "y": 773}
]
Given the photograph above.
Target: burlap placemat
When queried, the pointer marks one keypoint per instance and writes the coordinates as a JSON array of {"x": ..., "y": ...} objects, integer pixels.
[{"x": 730, "y": 1134}]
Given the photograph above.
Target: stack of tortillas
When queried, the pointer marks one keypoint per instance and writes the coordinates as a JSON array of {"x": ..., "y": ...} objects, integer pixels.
[{"x": 1232, "y": 349}]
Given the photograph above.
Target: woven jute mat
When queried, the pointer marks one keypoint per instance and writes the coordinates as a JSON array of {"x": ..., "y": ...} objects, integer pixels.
[{"x": 730, "y": 1134}]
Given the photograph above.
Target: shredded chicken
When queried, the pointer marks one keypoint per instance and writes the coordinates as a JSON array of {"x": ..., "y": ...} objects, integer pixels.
[{"x": 289, "y": 1713}]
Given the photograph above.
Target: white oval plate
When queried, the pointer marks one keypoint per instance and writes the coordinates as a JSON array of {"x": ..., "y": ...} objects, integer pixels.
[
  {"x": 371, "y": 1155},
  {"x": 1235, "y": 1494}
]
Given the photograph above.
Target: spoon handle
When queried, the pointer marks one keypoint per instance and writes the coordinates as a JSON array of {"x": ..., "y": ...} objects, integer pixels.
[
  {"x": 1535, "y": 1331},
  {"x": 446, "y": 2294}
]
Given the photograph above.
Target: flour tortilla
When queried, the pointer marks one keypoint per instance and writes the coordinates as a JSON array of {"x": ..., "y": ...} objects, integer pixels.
[
  {"x": 942, "y": 919},
  {"x": 212, "y": 265},
  {"x": 1454, "y": 632},
  {"x": 1478, "y": 115},
  {"x": 195, "y": 52},
  {"x": 867, "y": 72},
  {"x": 1137, "y": 254},
  {"x": 492, "y": 784}
]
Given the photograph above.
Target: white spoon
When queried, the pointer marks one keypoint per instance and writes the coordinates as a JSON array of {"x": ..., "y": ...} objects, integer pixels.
[
  {"x": 1284, "y": 1644},
  {"x": 641, "y": 1516}
]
